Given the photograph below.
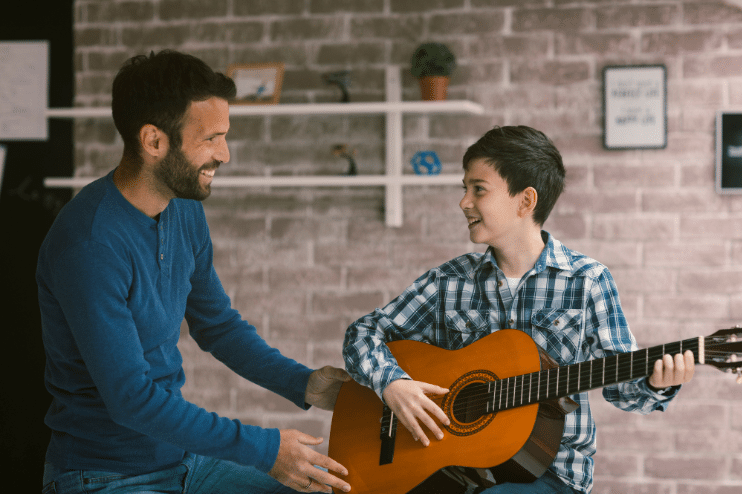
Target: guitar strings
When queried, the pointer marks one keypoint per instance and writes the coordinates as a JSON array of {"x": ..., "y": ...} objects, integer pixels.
[{"x": 519, "y": 396}]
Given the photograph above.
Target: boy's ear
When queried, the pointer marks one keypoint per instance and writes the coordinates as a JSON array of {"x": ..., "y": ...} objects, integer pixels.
[
  {"x": 153, "y": 141},
  {"x": 528, "y": 202}
]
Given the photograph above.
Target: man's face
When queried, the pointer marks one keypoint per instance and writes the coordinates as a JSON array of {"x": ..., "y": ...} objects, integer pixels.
[{"x": 187, "y": 171}]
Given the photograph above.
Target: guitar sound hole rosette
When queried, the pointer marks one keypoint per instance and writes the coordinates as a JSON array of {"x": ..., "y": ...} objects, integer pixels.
[{"x": 465, "y": 403}]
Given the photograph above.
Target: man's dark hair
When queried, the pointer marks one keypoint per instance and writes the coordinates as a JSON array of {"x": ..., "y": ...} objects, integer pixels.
[
  {"x": 157, "y": 90},
  {"x": 524, "y": 157}
]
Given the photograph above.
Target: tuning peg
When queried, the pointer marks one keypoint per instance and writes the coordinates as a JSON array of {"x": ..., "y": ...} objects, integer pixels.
[{"x": 739, "y": 376}]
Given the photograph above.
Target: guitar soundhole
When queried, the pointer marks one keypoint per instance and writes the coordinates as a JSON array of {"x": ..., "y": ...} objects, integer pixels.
[
  {"x": 470, "y": 404},
  {"x": 466, "y": 402}
]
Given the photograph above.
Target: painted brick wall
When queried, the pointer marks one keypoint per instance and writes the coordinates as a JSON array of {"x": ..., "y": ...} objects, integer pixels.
[{"x": 301, "y": 264}]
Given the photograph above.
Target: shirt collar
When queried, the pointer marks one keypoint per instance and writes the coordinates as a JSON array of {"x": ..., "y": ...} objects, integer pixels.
[{"x": 555, "y": 255}]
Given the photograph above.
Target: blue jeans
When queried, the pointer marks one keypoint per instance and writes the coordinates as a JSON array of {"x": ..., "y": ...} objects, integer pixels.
[
  {"x": 548, "y": 483},
  {"x": 194, "y": 475}
]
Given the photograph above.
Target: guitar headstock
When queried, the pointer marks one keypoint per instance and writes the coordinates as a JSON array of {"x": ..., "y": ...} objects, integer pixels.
[{"x": 723, "y": 350}]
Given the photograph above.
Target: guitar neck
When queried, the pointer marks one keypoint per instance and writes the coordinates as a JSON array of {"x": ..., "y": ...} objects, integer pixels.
[{"x": 557, "y": 382}]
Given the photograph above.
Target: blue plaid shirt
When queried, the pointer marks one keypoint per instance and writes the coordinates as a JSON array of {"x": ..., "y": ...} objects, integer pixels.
[{"x": 568, "y": 303}]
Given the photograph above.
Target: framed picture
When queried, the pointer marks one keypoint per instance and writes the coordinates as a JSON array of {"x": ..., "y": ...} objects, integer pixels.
[
  {"x": 257, "y": 83},
  {"x": 635, "y": 107},
  {"x": 729, "y": 152}
]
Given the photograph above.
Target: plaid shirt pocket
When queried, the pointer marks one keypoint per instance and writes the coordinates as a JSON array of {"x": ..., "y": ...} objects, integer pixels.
[
  {"x": 464, "y": 327},
  {"x": 559, "y": 331}
]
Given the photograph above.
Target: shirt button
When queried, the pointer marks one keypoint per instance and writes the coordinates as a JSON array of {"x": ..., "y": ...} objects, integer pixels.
[
  {"x": 162, "y": 256},
  {"x": 511, "y": 322},
  {"x": 499, "y": 283}
]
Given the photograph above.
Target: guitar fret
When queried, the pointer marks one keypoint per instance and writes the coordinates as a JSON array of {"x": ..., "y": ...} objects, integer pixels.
[
  {"x": 494, "y": 395},
  {"x": 557, "y": 383},
  {"x": 548, "y": 372},
  {"x": 591, "y": 374},
  {"x": 499, "y": 403},
  {"x": 566, "y": 387},
  {"x": 631, "y": 367},
  {"x": 521, "y": 388},
  {"x": 530, "y": 385},
  {"x": 507, "y": 393},
  {"x": 602, "y": 382},
  {"x": 579, "y": 375},
  {"x": 646, "y": 363},
  {"x": 538, "y": 388},
  {"x": 617, "y": 355}
]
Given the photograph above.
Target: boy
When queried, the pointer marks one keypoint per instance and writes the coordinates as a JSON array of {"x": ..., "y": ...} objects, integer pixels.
[{"x": 513, "y": 177}]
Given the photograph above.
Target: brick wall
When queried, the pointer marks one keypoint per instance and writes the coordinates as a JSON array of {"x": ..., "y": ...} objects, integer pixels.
[{"x": 301, "y": 264}]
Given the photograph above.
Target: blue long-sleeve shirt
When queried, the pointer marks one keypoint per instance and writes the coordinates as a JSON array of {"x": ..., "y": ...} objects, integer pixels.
[
  {"x": 114, "y": 287},
  {"x": 568, "y": 303}
]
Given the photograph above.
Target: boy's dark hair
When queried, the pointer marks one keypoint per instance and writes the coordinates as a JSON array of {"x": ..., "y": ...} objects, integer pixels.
[
  {"x": 524, "y": 157},
  {"x": 157, "y": 90}
]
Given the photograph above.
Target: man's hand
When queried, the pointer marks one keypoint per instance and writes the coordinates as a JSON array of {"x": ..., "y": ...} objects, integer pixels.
[
  {"x": 296, "y": 465},
  {"x": 673, "y": 371},
  {"x": 409, "y": 402},
  {"x": 323, "y": 387}
]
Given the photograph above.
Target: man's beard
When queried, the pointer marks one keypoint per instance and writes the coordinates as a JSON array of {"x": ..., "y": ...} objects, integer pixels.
[{"x": 182, "y": 177}]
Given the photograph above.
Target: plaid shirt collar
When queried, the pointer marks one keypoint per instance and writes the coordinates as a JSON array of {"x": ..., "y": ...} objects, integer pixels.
[{"x": 554, "y": 255}]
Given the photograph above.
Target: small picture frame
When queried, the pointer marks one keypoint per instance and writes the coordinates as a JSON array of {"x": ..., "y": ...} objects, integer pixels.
[
  {"x": 729, "y": 152},
  {"x": 635, "y": 107},
  {"x": 258, "y": 83}
]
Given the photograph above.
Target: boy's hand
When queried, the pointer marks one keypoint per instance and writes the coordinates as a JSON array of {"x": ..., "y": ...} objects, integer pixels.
[
  {"x": 409, "y": 402},
  {"x": 673, "y": 371}
]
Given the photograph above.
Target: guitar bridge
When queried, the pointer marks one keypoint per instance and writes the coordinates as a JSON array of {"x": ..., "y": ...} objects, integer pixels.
[{"x": 387, "y": 435}]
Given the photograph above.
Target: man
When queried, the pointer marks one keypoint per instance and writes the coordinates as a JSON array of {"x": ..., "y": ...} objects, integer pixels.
[
  {"x": 526, "y": 280},
  {"x": 125, "y": 261}
]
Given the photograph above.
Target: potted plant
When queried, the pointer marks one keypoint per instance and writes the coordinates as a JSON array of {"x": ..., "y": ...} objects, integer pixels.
[{"x": 432, "y": 64}]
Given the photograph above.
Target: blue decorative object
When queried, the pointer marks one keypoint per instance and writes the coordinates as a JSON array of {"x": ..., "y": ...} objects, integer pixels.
[{"x": 426, "y": 163}]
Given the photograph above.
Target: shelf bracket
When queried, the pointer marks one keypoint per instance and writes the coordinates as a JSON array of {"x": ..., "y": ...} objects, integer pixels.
[{"x": 394, "y": 150}]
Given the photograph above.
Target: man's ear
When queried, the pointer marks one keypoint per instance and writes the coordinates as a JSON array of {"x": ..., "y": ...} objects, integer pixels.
[
  {"x": 528, "y": 202},
  {"x": 154, "y": 142}
]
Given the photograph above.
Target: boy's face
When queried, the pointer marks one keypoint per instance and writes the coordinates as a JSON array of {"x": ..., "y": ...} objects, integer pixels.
[{"x": 490, "y": 210}]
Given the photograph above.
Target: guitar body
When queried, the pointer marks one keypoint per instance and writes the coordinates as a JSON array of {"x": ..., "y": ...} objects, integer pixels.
[{"x": 516, "y": 445}]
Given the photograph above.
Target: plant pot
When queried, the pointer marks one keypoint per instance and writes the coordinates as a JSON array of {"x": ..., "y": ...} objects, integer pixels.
[{"x": 433, "y": 87}]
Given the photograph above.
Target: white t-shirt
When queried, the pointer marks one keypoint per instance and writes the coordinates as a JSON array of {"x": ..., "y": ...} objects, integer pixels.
[{"x": 513, "y": 285}]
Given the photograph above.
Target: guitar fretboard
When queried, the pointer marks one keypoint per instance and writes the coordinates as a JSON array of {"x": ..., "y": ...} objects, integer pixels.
[{"x": 558, "y": 382}]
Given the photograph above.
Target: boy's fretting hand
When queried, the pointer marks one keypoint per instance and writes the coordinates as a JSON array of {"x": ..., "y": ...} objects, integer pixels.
[
  {"x": 673, "y": 371},
  {"x": 409, "y": 402}
]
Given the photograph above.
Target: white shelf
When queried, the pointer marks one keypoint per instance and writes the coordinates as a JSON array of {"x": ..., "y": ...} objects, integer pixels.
[
  {"x": 380, "y": 107},
  {"x": 298, "y": 181},
  {"x": 393, "y": 108}
]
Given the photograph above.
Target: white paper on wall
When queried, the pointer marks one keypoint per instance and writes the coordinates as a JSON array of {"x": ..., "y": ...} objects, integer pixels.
[{"x": 24, "y": 89}]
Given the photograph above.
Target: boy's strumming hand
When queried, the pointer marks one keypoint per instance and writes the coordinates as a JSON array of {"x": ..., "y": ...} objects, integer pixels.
[
  {"x": 409, "y": 402},
  {"x": 673, "y": 371}
]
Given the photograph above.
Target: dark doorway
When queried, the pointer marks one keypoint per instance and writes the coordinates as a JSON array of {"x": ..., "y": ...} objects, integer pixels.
[{"x": 26, "y": 213}]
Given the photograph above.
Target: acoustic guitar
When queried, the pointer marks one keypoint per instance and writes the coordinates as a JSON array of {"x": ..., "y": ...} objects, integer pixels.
[{"x": 507, "y": 401}]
